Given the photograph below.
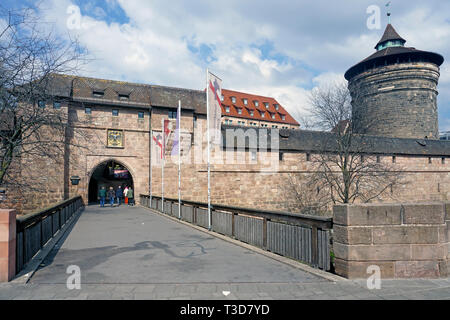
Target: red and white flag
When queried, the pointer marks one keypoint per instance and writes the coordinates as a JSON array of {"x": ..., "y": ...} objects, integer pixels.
[{"x": 214, "y": 107}]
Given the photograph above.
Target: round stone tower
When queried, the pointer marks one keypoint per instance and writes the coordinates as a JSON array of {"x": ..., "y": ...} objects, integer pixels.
[{"x": 394, "y": 90}]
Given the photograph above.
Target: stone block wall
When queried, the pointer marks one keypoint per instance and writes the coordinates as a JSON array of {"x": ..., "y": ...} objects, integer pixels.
[
  {"x": 7, "y": 245},
  {"x": 406, "y": 240}
]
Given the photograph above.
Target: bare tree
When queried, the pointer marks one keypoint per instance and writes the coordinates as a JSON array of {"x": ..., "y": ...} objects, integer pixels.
[
  {"x": 32, "y": 123},
  {"x": 344, "y": 166}
]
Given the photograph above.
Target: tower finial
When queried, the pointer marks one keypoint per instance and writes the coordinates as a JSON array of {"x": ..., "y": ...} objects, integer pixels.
[{"x": 388, "y": 12}]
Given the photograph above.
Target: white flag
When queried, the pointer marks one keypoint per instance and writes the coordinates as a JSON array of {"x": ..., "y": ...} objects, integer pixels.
[{"x": 214, "y": 103}]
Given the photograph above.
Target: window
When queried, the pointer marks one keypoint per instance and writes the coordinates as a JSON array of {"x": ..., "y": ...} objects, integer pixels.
[
  {"x": 394, "y": 159},
  {"x": 429, "y": 160},
  {"x": 115, "y": 112},
  {"x": 245, "y": 101},
  {"x": 124, "y": 96},
  {"x": 98, "y": 93},
  {"x": 172, "y": 114},
  {"x": 308, "y": 157},
  {"x": 141, "y": 115},
  {"x": 233, "y": 99},
  {"x": 227, "y": 109},
  {"x": 253, "y": 155},
  {"x": 222, "y": 97},
  {"x": 277, "y": 107},
  {"x": 41, "y": 104},
  {"x": 256, "y": 103},
  {"x": 88, "y": 110},
  {"x": 56, "y": 105},
  {"x": 252, "y": 113},
  {"x": 195, "y": 121},
  {"x": 378, "y": 159},
  {"x": 283, "y": 117},
  {"x": 280, "y": 156},
  {"x": 262, "y": 114},
  {"x": 443, "y": 160},
  {"x": 274, "y": 126},
  {"x": 273, "y": 115},
  {"x": 266, "y": 104},
  {"x": 239, "y": 110}
]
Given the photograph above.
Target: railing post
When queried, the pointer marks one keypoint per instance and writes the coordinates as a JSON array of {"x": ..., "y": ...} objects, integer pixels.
[
  {"x": 194, "y": 214},
  {"x": 314, "y": 247},
  {"x": 233, "y": 228},
  {"x": 265, "y": 233}
]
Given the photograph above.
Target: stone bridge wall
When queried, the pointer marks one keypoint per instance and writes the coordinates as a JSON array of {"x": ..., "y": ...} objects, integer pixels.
[{"x": 404, "y": 240}]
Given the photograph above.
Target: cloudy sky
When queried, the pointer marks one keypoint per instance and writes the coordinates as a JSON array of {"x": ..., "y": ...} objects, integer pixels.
[{"x": 279, "y": 48}]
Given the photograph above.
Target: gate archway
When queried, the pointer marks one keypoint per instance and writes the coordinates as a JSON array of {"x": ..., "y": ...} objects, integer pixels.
[{"x": 110, "y": 173}]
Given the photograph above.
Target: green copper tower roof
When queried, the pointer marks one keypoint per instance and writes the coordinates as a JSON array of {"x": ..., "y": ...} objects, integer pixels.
[{"x": 390, "y": 39}]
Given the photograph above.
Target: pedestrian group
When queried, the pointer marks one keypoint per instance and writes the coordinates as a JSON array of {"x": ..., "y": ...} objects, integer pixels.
[{"x": 116, "y": 196}]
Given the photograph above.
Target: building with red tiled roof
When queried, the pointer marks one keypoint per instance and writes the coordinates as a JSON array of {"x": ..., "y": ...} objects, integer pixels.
[{"x": 245, "y": 109}]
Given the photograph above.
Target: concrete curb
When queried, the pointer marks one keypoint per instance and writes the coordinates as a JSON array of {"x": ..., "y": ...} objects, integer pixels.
[
  {"x": 30, "y": 268},
  {"x": 293, "y": 263}
]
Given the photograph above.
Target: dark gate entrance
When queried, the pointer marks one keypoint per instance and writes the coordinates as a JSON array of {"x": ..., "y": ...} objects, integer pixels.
[{"x": 109, "y": 174}]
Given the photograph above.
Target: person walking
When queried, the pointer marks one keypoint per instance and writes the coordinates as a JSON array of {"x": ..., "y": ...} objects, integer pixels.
[
  {"x": 102, "y": 196},
  {"x": 111, "y": 195},
  {"x": 130, "y": 196},
  {"x": 119, "y": 195},
  {"x": 125, "y": 191}
]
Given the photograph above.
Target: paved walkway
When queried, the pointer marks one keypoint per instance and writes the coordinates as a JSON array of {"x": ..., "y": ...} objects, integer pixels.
[{"x": 133, "y": 253}]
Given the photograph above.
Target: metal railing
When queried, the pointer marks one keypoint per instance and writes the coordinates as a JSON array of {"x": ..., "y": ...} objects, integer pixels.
[
  {"x": 300, "y": 237},
  {"x": 34, "y": 230}
]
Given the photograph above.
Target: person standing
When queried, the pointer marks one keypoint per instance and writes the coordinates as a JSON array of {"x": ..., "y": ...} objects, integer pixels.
[
  {"x": 119, "y": 195},
  {"x": 111, "y": 195},
  {"x": 130, "y": 196},
  {"x": 102, "y": 196},
  {"x": 125, "y": 191}
]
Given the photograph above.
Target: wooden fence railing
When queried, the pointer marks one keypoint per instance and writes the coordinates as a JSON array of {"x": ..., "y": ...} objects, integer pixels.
[
  {"x": 300, "y": 237},
  {"x": 36, "y": 229}
]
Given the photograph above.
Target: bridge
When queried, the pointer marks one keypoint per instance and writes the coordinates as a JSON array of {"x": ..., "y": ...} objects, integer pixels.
[{"x": 136, "y": 252}]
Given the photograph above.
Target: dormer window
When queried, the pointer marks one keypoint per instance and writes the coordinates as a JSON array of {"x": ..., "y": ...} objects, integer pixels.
[
  {"x": 239, "y": 110},
  {"x": 124, "y": 96},
  {"x": 283, "y": 117},
  {"x": 263, "y": 114},
  {"x": 245, "y": 101},
  {"x": 273, "y": 115},
  {"x": 256, "y": 103},
  {"x": 227, "y": 109},
  {"x": 222, "y": 97},
  {"x": 233, "y": 100},
  {"x": 98, "y": 93},
  {"x": 266, "y": 104},
  {"x": 277, "y": 107},
  {"x": 252, "y": 113}
]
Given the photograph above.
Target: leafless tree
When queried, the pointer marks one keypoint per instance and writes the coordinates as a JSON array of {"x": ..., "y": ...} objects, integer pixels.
[
  {"x": 344, "y": 166},
  {"x": 32, "y": 123}
]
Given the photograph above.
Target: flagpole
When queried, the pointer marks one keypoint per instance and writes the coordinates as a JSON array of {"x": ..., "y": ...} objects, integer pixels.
[
  {"x": 162, "y": 166},
  {"x": 179, "y": 160},
  {"x": 208, "y": 136},
  {"x": 151, "y": 158}
]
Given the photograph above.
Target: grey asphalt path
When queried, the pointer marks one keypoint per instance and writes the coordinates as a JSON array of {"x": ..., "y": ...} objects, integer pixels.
[
  {"x": 134, "y": 253},
  {"x": 131, "y": 245}
]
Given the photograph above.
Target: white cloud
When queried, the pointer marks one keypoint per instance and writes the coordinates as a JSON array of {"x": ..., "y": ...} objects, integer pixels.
[{"x": 317, "y": 42}]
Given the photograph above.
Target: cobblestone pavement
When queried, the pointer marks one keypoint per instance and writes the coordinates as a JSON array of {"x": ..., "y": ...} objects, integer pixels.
[{"x": 132, "y": 253}]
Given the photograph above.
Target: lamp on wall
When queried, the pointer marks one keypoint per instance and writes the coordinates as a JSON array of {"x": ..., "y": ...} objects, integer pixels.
[{"x": 75, "y": 180}]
